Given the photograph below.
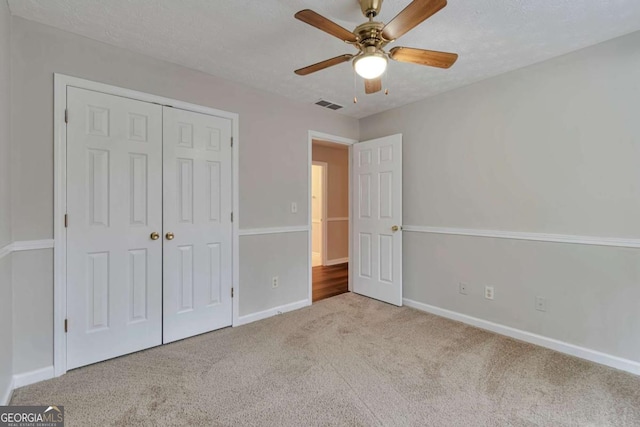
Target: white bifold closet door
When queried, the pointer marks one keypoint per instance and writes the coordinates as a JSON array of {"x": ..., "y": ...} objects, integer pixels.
[
  {"x": 197, "y": 214},
  {"x": 114, "y": 203},
  {"x": 149, "y": 256}
]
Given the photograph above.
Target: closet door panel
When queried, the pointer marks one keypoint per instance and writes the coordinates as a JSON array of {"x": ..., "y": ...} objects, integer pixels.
[
  {"x": 197, "y": 223},
  {"x": 114, "y": 203}
]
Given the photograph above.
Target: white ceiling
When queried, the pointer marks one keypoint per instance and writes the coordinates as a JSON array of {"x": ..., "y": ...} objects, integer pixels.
[{"x": 259, "y": 43}]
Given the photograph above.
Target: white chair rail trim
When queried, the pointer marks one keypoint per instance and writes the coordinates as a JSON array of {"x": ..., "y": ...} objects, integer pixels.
[
  {"x": 6, "y": 250},
  {"x": 274, "y": 230},
  {"x": 26, "y": 245},
  {"x": 519, "y": 235}
]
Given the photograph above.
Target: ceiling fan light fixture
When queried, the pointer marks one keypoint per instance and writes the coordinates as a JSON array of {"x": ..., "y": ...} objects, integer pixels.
[
  {"x": 370, "y": 65},
  {"x": 371, "y": 38}
]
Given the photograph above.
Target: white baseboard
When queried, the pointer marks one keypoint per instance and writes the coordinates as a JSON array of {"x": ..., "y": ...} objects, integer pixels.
[
  {"x": 28, "y": 378},
  {"x": 5, "y": 398},
  {"x": 550, "y": 343},
  {"x": 337, "y": 261},
  {"x": 249, "y": 318}
]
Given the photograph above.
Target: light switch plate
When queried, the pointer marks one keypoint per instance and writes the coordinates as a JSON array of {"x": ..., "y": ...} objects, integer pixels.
[{"x": 541, "y": 304}]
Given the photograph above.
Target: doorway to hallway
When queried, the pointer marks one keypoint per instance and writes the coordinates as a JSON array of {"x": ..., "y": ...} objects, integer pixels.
[{"x": 329, "y": 219}]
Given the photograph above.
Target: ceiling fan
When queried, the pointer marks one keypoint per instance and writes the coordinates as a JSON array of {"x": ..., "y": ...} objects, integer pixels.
[{"x": 371, "y": 37}]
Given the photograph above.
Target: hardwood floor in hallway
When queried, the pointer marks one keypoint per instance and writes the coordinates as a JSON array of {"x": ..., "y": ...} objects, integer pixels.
[{"x": 330, "y": 281}]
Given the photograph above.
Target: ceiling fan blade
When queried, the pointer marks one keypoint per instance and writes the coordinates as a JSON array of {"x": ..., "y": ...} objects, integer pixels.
[
  {"x": 320, "y": 22},
  {"x": 431, "y": 58},
  {"x": 324, "y": 64},
  {"x": 373, "y": 85},
  {"x": 412, "y": 15}
]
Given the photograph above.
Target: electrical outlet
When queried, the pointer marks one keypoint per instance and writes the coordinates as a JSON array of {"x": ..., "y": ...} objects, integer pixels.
[
  {"x": 541, "y": 304},
  {"x": 463, "y": 288},
  {"x": 294, "y": 207},
  {"x": 274, "y": 282},
  {"x": 488, "y": 292}
]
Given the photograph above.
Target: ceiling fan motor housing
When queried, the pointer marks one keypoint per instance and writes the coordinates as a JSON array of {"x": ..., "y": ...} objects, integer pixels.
[
  {"x": 370, "y": 8},
  {"x": 370, "y": 34}
]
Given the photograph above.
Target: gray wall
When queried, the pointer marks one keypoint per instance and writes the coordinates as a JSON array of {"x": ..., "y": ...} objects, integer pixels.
[
  {"x": 33, "y": 310},
  {"x": 284, "y": 255},
  {"x": 551, "y": 148},
  {"x": 5, "y": 124},
  {"x": 6, "y": 337},
  {"x": 6, "y": 354},
  {"x": 273, "y": 166}
]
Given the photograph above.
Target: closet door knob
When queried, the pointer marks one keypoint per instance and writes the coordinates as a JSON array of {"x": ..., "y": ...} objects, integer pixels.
[
  {"x": 155, "y": 235},
  {"x": 169, "y": 236}
]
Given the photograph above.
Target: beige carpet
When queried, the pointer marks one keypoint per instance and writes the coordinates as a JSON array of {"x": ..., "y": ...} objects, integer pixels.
[{"x": 347, "y": 360}]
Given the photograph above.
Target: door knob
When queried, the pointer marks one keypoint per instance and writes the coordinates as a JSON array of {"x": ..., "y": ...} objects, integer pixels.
[
  {"x": 169, "y": 236},
  {"x": 395, "y": 228},
  {"x": 155, "y": 235}
]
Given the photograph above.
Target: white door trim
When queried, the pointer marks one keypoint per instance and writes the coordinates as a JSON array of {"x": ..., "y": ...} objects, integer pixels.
[
  {"x": 337, "y": 140},
  {"x": 61, "y": 82},
  {"x": 325, "y": 184}
]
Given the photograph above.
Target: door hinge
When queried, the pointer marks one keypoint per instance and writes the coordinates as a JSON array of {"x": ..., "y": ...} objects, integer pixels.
[
  {"x": 66, "y": 220},
  {"x": 231, "y": 141},
  {"x": 66, "y": 325},
  {"x": 231, "y": 292},
  {"x": 66, "y": 115},
  {"x": 231, "y": 216}
]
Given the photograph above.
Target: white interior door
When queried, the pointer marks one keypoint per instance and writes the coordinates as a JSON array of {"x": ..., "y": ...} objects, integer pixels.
[
  {"x": 114, "y": 204},
  {"x": 197, "y": 223},
  {"x": 377, "y": 221}
]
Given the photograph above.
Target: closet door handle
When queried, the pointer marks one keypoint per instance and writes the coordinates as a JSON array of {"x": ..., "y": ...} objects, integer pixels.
[
  {"x": 154, "y": 235},
  {"x": 169, "y": 236}
]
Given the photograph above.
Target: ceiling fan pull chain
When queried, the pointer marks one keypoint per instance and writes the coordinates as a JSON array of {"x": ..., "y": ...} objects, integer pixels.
[
  {"x": 355, "y": 81},
  {"x": 386, "y": 80}
]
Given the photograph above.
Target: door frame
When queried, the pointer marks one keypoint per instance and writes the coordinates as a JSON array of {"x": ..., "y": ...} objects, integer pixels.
[
  {"x": 325, "y": 192},
  {"x": 61, "y": 82},
  {"x": 336, "y": 140}
]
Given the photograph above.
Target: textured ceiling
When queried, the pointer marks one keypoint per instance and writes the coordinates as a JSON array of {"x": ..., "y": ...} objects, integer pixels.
[{"x": 259, "y": 43}]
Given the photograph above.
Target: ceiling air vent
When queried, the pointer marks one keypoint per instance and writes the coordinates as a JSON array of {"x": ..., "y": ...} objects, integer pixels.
[{"x": 329, "y": 105}]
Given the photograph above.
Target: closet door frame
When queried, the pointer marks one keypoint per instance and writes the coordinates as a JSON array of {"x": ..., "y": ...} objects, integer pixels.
[{"x": 61, "y": 83}]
